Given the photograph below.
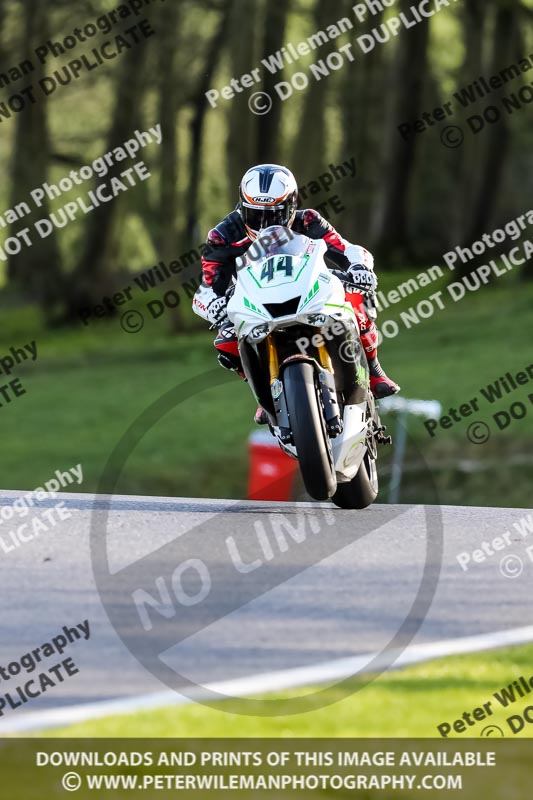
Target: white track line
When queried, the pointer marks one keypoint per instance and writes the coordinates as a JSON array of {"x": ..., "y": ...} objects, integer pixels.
[{"x": 269, "y": 682}]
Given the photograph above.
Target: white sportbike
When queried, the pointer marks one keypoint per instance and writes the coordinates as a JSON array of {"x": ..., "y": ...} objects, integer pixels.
[{"x": 301, "y": 353}]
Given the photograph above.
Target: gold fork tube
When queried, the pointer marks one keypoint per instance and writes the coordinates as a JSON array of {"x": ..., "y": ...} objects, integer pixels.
[
  {"x": 273, "y": 360},
  {"x": 324, "y": 357}
]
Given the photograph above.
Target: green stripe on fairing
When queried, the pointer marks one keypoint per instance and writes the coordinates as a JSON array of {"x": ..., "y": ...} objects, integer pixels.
[
  {"x": 346, "y": 307},
  {"x": 306, "y": 261},
  {"x": 249, "y": 270},
  {"x": 251, "y": 306},
  {"x": 312, "y": 293}
]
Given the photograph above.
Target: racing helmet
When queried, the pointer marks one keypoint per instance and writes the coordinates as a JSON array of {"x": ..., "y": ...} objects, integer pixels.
[{"x": 268, "y": 196}]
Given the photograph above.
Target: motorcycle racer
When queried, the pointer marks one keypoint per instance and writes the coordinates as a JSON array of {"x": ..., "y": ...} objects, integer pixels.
[{"x": 269, "y": 196}]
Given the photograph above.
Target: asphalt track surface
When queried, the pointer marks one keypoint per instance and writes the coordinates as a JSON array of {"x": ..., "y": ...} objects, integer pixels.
[{"x": 344, "y": 588}]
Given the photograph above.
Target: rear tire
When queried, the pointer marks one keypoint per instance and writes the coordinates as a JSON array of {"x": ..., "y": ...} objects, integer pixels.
[
  {"x": 362, "y": 490},
  {"x": 309, "y": 430}
]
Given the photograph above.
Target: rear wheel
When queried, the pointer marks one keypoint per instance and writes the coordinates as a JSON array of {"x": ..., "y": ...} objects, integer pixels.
[
  {"x": 362, "y": 490},
  {"x": 309, "y": 430}
]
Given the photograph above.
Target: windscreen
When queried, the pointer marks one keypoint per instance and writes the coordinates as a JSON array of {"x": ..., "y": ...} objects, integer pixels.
[{"x": 277, "y": 240}]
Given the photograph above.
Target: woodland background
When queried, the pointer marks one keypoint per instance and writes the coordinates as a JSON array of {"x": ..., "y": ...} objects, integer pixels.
[{"x": 411, "y": 202}]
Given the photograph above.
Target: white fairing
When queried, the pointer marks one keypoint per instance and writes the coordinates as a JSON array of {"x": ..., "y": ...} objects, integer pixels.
[
  {"x": 278, "y": 274},
  {"x": 270, "y": 279}
]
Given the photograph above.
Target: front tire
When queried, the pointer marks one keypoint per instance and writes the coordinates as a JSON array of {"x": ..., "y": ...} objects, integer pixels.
[{"x": 309, "y": 431}]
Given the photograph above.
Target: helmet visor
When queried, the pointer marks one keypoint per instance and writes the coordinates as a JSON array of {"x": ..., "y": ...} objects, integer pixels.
[{"x": 258, "y": 218}]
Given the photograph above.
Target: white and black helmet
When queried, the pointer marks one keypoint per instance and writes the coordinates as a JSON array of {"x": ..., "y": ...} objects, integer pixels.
[{"x": 269, "y": 196}]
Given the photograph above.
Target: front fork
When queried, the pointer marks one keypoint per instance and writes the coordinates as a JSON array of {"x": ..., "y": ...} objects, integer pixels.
[
  {"x": 328, "y": 391},
  {"x": 278, "y": 395}
]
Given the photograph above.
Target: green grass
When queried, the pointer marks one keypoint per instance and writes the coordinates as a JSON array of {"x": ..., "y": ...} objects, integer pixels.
[
  {"x": 410, "y": 703},
  {"x": 90, "y": 384}
]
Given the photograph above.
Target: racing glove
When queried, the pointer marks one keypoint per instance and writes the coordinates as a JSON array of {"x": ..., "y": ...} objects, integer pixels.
[
  {"x": 362, "y": 279},
  {"x": 217, "y": 311}
]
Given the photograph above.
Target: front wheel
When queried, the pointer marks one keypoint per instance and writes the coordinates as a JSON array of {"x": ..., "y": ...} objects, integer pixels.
[{"x": 309, "y": 430}]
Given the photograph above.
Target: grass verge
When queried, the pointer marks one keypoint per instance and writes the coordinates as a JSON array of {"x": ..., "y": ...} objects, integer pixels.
[{"x": 409, "y": 703}]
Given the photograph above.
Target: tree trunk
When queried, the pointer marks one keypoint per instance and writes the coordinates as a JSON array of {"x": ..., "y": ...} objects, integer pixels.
[
  {"x": 309, "y": 151},
  {"x": 269, "y": 129},
  {"x": 93, "y": 275},
  {"x": 410, "y": 67},
  {"x": 496, "y": 138},
  {"x": 201, "y": 105},
  {"x": 363, "y": 110},
  {"x": 526, "y": 273},
  {"x": 243, "y": 42},
  {"x": 3, "y": 57},
  {"x": 37, "y": 269},
  {"x": 167, "y": 235},
  {"x": 465, "y": 160}
]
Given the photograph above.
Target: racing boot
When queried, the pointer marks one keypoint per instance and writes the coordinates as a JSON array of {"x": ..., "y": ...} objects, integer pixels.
[
  {"x": 380, "y": 384},
  {"x": 228, "y": 357},
  {"x": 227, "y": 348},
  {"x": 261, "y": 417}
]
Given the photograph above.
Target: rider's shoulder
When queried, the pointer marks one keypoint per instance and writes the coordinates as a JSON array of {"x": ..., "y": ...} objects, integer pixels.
[
  {"x": 215, "y": 237},
  {"x": 307, "y": 220},
  {"x": 229, "y": 230}
]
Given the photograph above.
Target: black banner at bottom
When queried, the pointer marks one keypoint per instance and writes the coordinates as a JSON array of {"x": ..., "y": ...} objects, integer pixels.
[{"x": 42, "y": 769}]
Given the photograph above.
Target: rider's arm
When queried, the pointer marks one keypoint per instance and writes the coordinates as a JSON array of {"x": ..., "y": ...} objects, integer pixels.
[
  {"x": 342, "y": 252},
  {"x": 218, "y": 267},
  {"x": 218, "y": 262}
]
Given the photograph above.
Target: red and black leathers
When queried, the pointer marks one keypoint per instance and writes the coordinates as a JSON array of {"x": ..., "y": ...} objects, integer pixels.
[{"x": 229, "y": 240}]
